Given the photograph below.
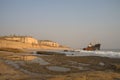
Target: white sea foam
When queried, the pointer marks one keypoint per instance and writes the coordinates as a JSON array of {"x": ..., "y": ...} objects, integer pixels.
[{"x": 110, "y": 54}]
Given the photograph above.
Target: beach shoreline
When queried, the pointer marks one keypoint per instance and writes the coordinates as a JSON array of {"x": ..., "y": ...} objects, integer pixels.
[{"x": 57, "y": 67}]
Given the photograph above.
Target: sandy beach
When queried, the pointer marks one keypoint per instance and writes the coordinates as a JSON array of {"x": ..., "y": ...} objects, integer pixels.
[{"x": 28, "y": 66}]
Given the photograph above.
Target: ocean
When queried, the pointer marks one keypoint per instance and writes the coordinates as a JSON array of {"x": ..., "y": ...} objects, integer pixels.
[
  {"x": 111, "y": 53},
  {"x": 113, "y": 50}
]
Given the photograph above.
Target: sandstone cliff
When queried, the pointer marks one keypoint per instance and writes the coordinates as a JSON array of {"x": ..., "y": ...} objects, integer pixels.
[
  {"x": 48, "y": 43},
  {"x": 23, "y": 39},
  {"x": 25, "y": 42}
]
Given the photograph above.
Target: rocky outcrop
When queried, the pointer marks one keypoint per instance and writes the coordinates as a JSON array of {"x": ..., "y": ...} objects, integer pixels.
[
  {"x": 22, "y": 42},
  {"x": 23, "y": 39},
  {"x": 14, "y": 44},
  {"x": 48, "y": 43}
]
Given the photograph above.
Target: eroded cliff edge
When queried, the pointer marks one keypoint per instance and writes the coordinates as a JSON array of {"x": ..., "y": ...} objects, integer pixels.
[{"x": 28, "y": 42}]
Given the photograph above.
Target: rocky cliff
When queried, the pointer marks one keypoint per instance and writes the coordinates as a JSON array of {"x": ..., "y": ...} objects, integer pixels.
[
  {"x": 23, "y": 42},
  {"x": 14, "y": 44},
  {"x": 48, "y": 43},
  {"x": 23, "y": 39}
]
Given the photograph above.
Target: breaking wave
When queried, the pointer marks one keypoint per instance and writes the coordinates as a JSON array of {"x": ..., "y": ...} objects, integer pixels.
[{"x": 111, "y": 54}]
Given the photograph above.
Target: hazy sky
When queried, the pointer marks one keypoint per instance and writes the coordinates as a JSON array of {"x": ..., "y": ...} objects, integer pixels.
[{"x": 70, "y": 22}]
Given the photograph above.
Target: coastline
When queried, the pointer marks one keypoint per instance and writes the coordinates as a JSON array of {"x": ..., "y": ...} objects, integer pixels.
[{"x": 48, "y": 66}]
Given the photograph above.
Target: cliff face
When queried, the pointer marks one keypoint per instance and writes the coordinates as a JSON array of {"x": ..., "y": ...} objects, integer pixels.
[
  {"x": 18, "y": 42},
  {"x": 14, "y": 44},
  {"x": 48, "y": 43},
  {"x": 24, "y": 39},
  {"x": 27, "y": 42}
]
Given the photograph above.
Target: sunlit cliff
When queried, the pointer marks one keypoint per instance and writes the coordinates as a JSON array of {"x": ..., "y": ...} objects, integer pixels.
[{"x": 27, "y": 42}]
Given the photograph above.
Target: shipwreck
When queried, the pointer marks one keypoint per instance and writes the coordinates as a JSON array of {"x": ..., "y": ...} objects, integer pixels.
[{"x": 92, "y": 47}]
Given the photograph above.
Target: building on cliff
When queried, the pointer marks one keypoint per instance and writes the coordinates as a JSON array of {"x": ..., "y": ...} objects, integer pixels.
[
  {"x": 23, "y": 39},
  {"x": 27, "y": 42},
  {"x": 48, "y": 43}
]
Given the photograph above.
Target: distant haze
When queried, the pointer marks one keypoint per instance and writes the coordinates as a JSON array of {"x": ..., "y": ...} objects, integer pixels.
[{"x": 74, "y": 23}]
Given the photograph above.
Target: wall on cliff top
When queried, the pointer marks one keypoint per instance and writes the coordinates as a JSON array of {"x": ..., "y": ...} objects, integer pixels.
[
  {"x": 24, "y": 39},
  {"x": 48, "y": 43},
  {"x": 15, "y": 44},
  {"x": 27, "y": 42}
]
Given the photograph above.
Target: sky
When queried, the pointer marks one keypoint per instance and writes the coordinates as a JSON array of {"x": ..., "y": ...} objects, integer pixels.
[{"x": 74, "y": 23}]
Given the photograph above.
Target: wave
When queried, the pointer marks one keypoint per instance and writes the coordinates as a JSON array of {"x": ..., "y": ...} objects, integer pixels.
[
  {"x": 110, "y": 54},
  {"x": 101, "y": 53}
]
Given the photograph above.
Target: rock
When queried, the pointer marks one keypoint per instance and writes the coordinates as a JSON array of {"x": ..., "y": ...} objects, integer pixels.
[
  {"x": 116, "y": 67},
  {"x": 101, "y": 64}
]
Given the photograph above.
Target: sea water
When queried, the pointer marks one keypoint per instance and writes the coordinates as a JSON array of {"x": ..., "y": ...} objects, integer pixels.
[{"x": 112, "y": 53}]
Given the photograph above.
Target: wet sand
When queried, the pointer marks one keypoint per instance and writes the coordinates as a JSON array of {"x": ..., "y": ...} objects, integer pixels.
[{"x": 27, "y": 66}]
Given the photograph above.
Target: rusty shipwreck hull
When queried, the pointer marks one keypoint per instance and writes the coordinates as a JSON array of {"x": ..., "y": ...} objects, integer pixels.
[{"x": 93, "y": 47}]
